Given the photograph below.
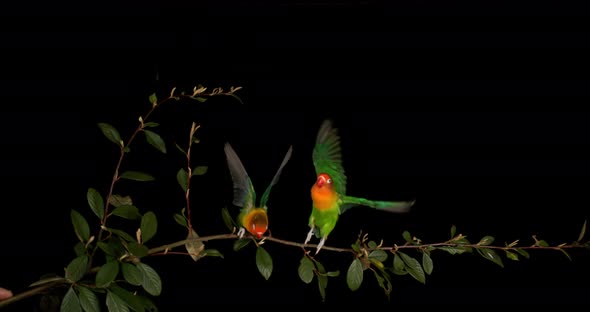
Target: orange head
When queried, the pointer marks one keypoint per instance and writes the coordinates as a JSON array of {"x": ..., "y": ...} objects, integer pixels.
[
  {"x": 256, "y": 222},
  {"x": 324, "y": 180}
]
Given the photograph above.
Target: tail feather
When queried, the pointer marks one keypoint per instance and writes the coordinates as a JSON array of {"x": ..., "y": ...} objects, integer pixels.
[{"x": 390, "y": 206}]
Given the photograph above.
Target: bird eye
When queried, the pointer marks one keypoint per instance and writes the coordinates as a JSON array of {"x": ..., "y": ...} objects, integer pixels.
[{"x": 329, "y": 181}]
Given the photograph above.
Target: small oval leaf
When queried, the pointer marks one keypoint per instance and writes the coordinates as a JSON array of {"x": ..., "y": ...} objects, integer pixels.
[
  {"x": 180, "y": 219},
  {"x": 95, "y": 202},
  {"x": 118, "y": 200},
  {"x": 406, "y": 235},
  {"x": 115, "y": 303},
  {"x": 305, "y": 270},
  {"x": 199, "y": 170},
  {"x": 151, "y": 281},
  {"x": 88, "y": 299},
  {"x": 378, "y": 255},
  {"x": 486, "y": 240},
  {"x": 354, "y": 276},
  {"x": 70, "y": 302},
  {"x": 264, "y": 262},
  {"x": 131, "y": 274},
  {"x": 80, "y": 226},
  {"x": 427, "y": 263},
  {"x": 491, "y": 255},
  {"x": 227, "y": 219},
  {"x": 137, "y": 176},
  {"x": 511, "y": 255},
  {"x": 110, "y": 132},
  {"x": 182, "y": 179},
  {"x": 413, "y": 267},
  {"x": 107, "y": 273},
  {"x": 212, "y": 253},
  {"x": 127, "y": 211},
  {"x": 155, "y": 140},
  {"x": 241, "y": 243},
  {"x": 149, "y": 226},
  {"x": 77, "y": 268}
]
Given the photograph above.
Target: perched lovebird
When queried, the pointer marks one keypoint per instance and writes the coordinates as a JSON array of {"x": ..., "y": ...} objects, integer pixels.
[
  {"x": 252, "y": 218},
  {"x": 329, "y": 191}
]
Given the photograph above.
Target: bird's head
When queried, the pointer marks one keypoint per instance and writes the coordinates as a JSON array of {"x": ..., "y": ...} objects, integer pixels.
[{"x": 324, "y": 180}]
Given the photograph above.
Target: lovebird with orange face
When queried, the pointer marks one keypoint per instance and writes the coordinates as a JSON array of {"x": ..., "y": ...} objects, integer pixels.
[
  {"x": 252, "y": 218},
  {"x": 328, "y": 193}
]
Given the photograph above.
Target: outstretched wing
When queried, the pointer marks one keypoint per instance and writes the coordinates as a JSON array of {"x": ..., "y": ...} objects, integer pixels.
[
  {"x": 275, "y": 179},
  {"x": 244, "y": 195},
  {"x": 327, "y": 156},
  {"x": 390, "y": 206}
]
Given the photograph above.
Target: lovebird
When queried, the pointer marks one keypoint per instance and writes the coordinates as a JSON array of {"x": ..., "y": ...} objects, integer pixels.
[
  {"x": 328, "y": 193},
  {"x": 252, "y": 218}
]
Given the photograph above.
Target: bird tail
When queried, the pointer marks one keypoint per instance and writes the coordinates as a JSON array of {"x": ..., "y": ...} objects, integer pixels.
[{"x": 391, "y": 206}]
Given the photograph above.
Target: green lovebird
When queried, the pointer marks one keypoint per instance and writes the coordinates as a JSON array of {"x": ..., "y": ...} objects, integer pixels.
[
  {"x": 329, "y": 191},
  {"x": 252, "y": 218}
]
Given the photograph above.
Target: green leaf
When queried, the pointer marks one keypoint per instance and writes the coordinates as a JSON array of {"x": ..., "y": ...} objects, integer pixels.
[
  {"x": 241, "y": 243},
  {"x": 155, "y": 140},
  {"x": 237, "y": 98},
  {"x": 378, "y": 255},
  {"x": 194, "y": 247},
  {"x": 77, "y": 268},
  {"x": 88, "y": 299},
  {"x": 151, "y": 281},
  {"x": 264, "y": 262},
  {"x": 212, "y": 253},
  {"x": 486, "y": 240},
  {"x": 127, "y": 211},
  {"x": 406, "y": 235},
  {"x": 512, "y": 256},
  {"x": 149, "y": 226},
  {"x": 452, "y": 250},
  {"x": 582, "y": 232},
  {"x": 356, "y": 247},
  {"x": 107, "y": 248},
  {"x": 199, "y": 98},
  {"x": 180, "y": 219},
  {"x": 372, "y": 244},
  {"x": 131, "y": 300},
  {"x": 95, "y": 202},
  {"x": 80, "y": 226},
  {"x": 427, "y": 263},
  {"x": 111, "y": 133},
  {"x": 153, "y": 99},
  {"x": 150, "y": 124},
  {"x": 322, "y": 284},
  {"x": 131, "y": 274},
  {"x": 566, "y": 254},
  {"x": 199, "y": 170},
  {"x": 399, "y": 267},
  {"x": 453, "y": 230},
  {"x": 122, "y": 235},
  {"x": 137, "y": 249},
  {"x": 80, "y": 249},
  {"x": 491, "y": 255},
  {"x": 523, "y": 252},
  {"x": 305, "y": 270},
  {"x": 70, "y": 302},
  {"x": 354, "y": 275},
  {"x": 333, "y": 273},
  {"x": 118, "y": 200},
  {"x": 136, "y": 176},
  {"x": 47, "y": 280},
  {"x": 413, "y": 267},
  {"x": 180, "y": 149},
  {"x": 227, "y": 219},
  {"x": 147, "y": 304},
  {"x": 182, "y": 178},
  {"x": 115, "y": 303},
  {"x": 107, "y": 273},
  {"x": 384, "y": 281}
]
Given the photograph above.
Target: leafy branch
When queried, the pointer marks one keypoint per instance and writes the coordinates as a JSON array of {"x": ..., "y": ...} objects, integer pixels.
[{"x": 126, "y": 281}]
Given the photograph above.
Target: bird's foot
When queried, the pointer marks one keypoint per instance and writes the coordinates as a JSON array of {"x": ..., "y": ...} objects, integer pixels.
[
  {"x": 241, "y": 232},
  {"x": 308, "y": 236},
  {"x": 320, "y": 245}
]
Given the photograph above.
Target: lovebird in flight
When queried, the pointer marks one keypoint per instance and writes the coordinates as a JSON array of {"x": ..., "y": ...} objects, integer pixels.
[
  {"x": 252, "y": 218},
  {"x": 328, "y": 193}
]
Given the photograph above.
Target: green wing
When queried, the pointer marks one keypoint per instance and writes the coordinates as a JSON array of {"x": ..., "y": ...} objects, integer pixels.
[
  {"x": 274, "y": 181},
  {"x": 244, "y": 195},
  {"x": 327, "y": 156},
  {"x": 390, "y": 206}
]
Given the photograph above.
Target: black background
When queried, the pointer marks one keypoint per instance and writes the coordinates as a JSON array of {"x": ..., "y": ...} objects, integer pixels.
[{"x": 478, "y": 111}]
